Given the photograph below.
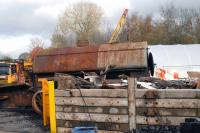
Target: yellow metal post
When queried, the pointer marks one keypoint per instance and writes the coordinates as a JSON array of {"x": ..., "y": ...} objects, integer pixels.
[
  {"x": 52, "y": 107},
  {"x": 45, "y": 101}
]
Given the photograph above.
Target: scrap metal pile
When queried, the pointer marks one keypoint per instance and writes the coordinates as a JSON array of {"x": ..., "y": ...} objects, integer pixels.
[
  {"x": 92, "y": 80},
  {"x": 168, "y": 84}
]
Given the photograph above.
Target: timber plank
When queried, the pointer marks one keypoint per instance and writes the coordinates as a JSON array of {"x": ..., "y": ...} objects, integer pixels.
[
  {"x": 168, "y": 112},
  {"x": 168, "y": 103},
  {"x": 92, "y": 93},
  {"x": 60, "y": 108},
  {"x": 169, "y": 93},
  {"x": 100, "y": 125},
  {"x": 62, "y": 93},
  {"x": 68, "y": 130},
  {"x": 160, "y": 120},
  {"x": 100, "y": 110},
  {"x": 91, "y": 101},
  {"x": 92, "y": 117}
]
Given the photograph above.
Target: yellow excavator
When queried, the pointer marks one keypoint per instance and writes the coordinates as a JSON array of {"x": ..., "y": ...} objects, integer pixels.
[
  {"x": 13, "y": 85},
  {"x": 16, "y": 81}
]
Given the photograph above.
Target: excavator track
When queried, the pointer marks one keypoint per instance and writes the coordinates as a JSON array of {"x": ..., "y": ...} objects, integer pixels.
[{"x": 16, "y": 96}]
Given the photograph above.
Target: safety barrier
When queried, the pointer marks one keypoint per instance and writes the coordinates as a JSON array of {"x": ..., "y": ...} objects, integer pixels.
[
  {"x": 48, "y": 102},
  {"x": 117, "y": 110}
]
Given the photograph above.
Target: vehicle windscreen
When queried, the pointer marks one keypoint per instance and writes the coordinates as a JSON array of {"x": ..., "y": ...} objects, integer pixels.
[{"x": 4, "y": 70}]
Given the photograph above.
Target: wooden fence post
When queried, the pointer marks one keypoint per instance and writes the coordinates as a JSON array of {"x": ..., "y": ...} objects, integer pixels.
[{"x": 131, "y": 102}]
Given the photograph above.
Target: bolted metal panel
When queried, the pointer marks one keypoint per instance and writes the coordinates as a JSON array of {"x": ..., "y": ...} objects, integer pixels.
[{"x": 126, "y": 55}]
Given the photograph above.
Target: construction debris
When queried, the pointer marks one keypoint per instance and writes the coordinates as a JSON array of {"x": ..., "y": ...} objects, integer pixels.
[
  {"x": 198, "y": 84},
  {"x": 93, "y": 81},
  {"x": 169, "y": 84},
  {"x": 156, "y": 129},
  {"x": 194, "y": 74},
  {"x": 191, "y": 125},
  {"x": 66, "y": 81}
]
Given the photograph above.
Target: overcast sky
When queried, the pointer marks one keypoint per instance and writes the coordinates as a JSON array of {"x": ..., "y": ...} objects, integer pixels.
[{"x": 21, "y": 20}]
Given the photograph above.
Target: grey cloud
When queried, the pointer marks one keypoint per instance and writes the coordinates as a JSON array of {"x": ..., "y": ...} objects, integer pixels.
[
  {"x": 151, "y": 7},
  {"x": 18, "y": 18}
]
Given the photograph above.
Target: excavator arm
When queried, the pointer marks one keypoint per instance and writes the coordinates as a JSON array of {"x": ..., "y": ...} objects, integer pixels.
[{"x": 120, "y": 24}]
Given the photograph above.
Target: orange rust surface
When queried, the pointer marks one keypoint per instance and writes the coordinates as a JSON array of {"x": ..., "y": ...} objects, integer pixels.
[{"x": 93, "y": 57}]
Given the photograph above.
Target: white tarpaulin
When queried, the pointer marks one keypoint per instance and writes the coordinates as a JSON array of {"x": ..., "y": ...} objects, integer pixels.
[{"x": 177, "y": 57}]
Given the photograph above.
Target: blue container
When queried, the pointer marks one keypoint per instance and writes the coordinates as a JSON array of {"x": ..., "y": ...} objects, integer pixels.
[{"x": 84, "y": 130}]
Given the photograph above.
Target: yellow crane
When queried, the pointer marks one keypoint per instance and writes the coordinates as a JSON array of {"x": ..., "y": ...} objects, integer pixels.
[{"x": 120, "y": 24}]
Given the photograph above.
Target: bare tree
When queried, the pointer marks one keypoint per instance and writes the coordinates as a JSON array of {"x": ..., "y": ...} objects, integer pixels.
[
  {"x": 169, "y": 15},
  {"x": 82, "y": 18},
  {"x": 134, "y": 23},
  {"x": 58, "y": 40},
  {"x": 179, "y": 24},
  {"x": 197, "y": 26},
  {"x": 101, "y": 36},
  {"x": 36, "y": 46},
  {"x": 6, "y": 58},
  {"x": 36, "y": 43},
  {"x": 24, "y": 56}
]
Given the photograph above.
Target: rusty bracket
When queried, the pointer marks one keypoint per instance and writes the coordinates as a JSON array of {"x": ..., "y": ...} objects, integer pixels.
[
  {"x": 151, "y": 112},
  {"x": 3, "y": 97},
  {"x": 151, "y": 94}
]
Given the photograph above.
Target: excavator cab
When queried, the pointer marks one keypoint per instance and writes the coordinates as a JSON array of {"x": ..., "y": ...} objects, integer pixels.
[
  {"x": 9, "y": 73},
  {"x": 4, "y": 72},
  {"x": 13, "y": 89}
]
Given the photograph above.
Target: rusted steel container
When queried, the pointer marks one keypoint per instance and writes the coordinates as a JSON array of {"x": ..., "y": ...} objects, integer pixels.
[{"x": 92, "y": 58}]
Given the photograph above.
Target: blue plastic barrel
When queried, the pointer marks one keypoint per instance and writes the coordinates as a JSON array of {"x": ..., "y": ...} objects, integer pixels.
[{"x": 84, "y": 130}]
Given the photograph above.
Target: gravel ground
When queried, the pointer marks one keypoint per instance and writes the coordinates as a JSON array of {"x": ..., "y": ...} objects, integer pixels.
[
  {"x": 27, "y": 121},
  {"x": 191, "y": 125},
  {"x": 21, "y": 121},
  {"x": 159, "y": 129}
]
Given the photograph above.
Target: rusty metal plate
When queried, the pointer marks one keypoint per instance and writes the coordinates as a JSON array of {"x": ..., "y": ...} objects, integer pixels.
[
  {"x": 127, "y": 55},
  {"x": 91, "y": 58},
  {"x": 66, "y": 60}
]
